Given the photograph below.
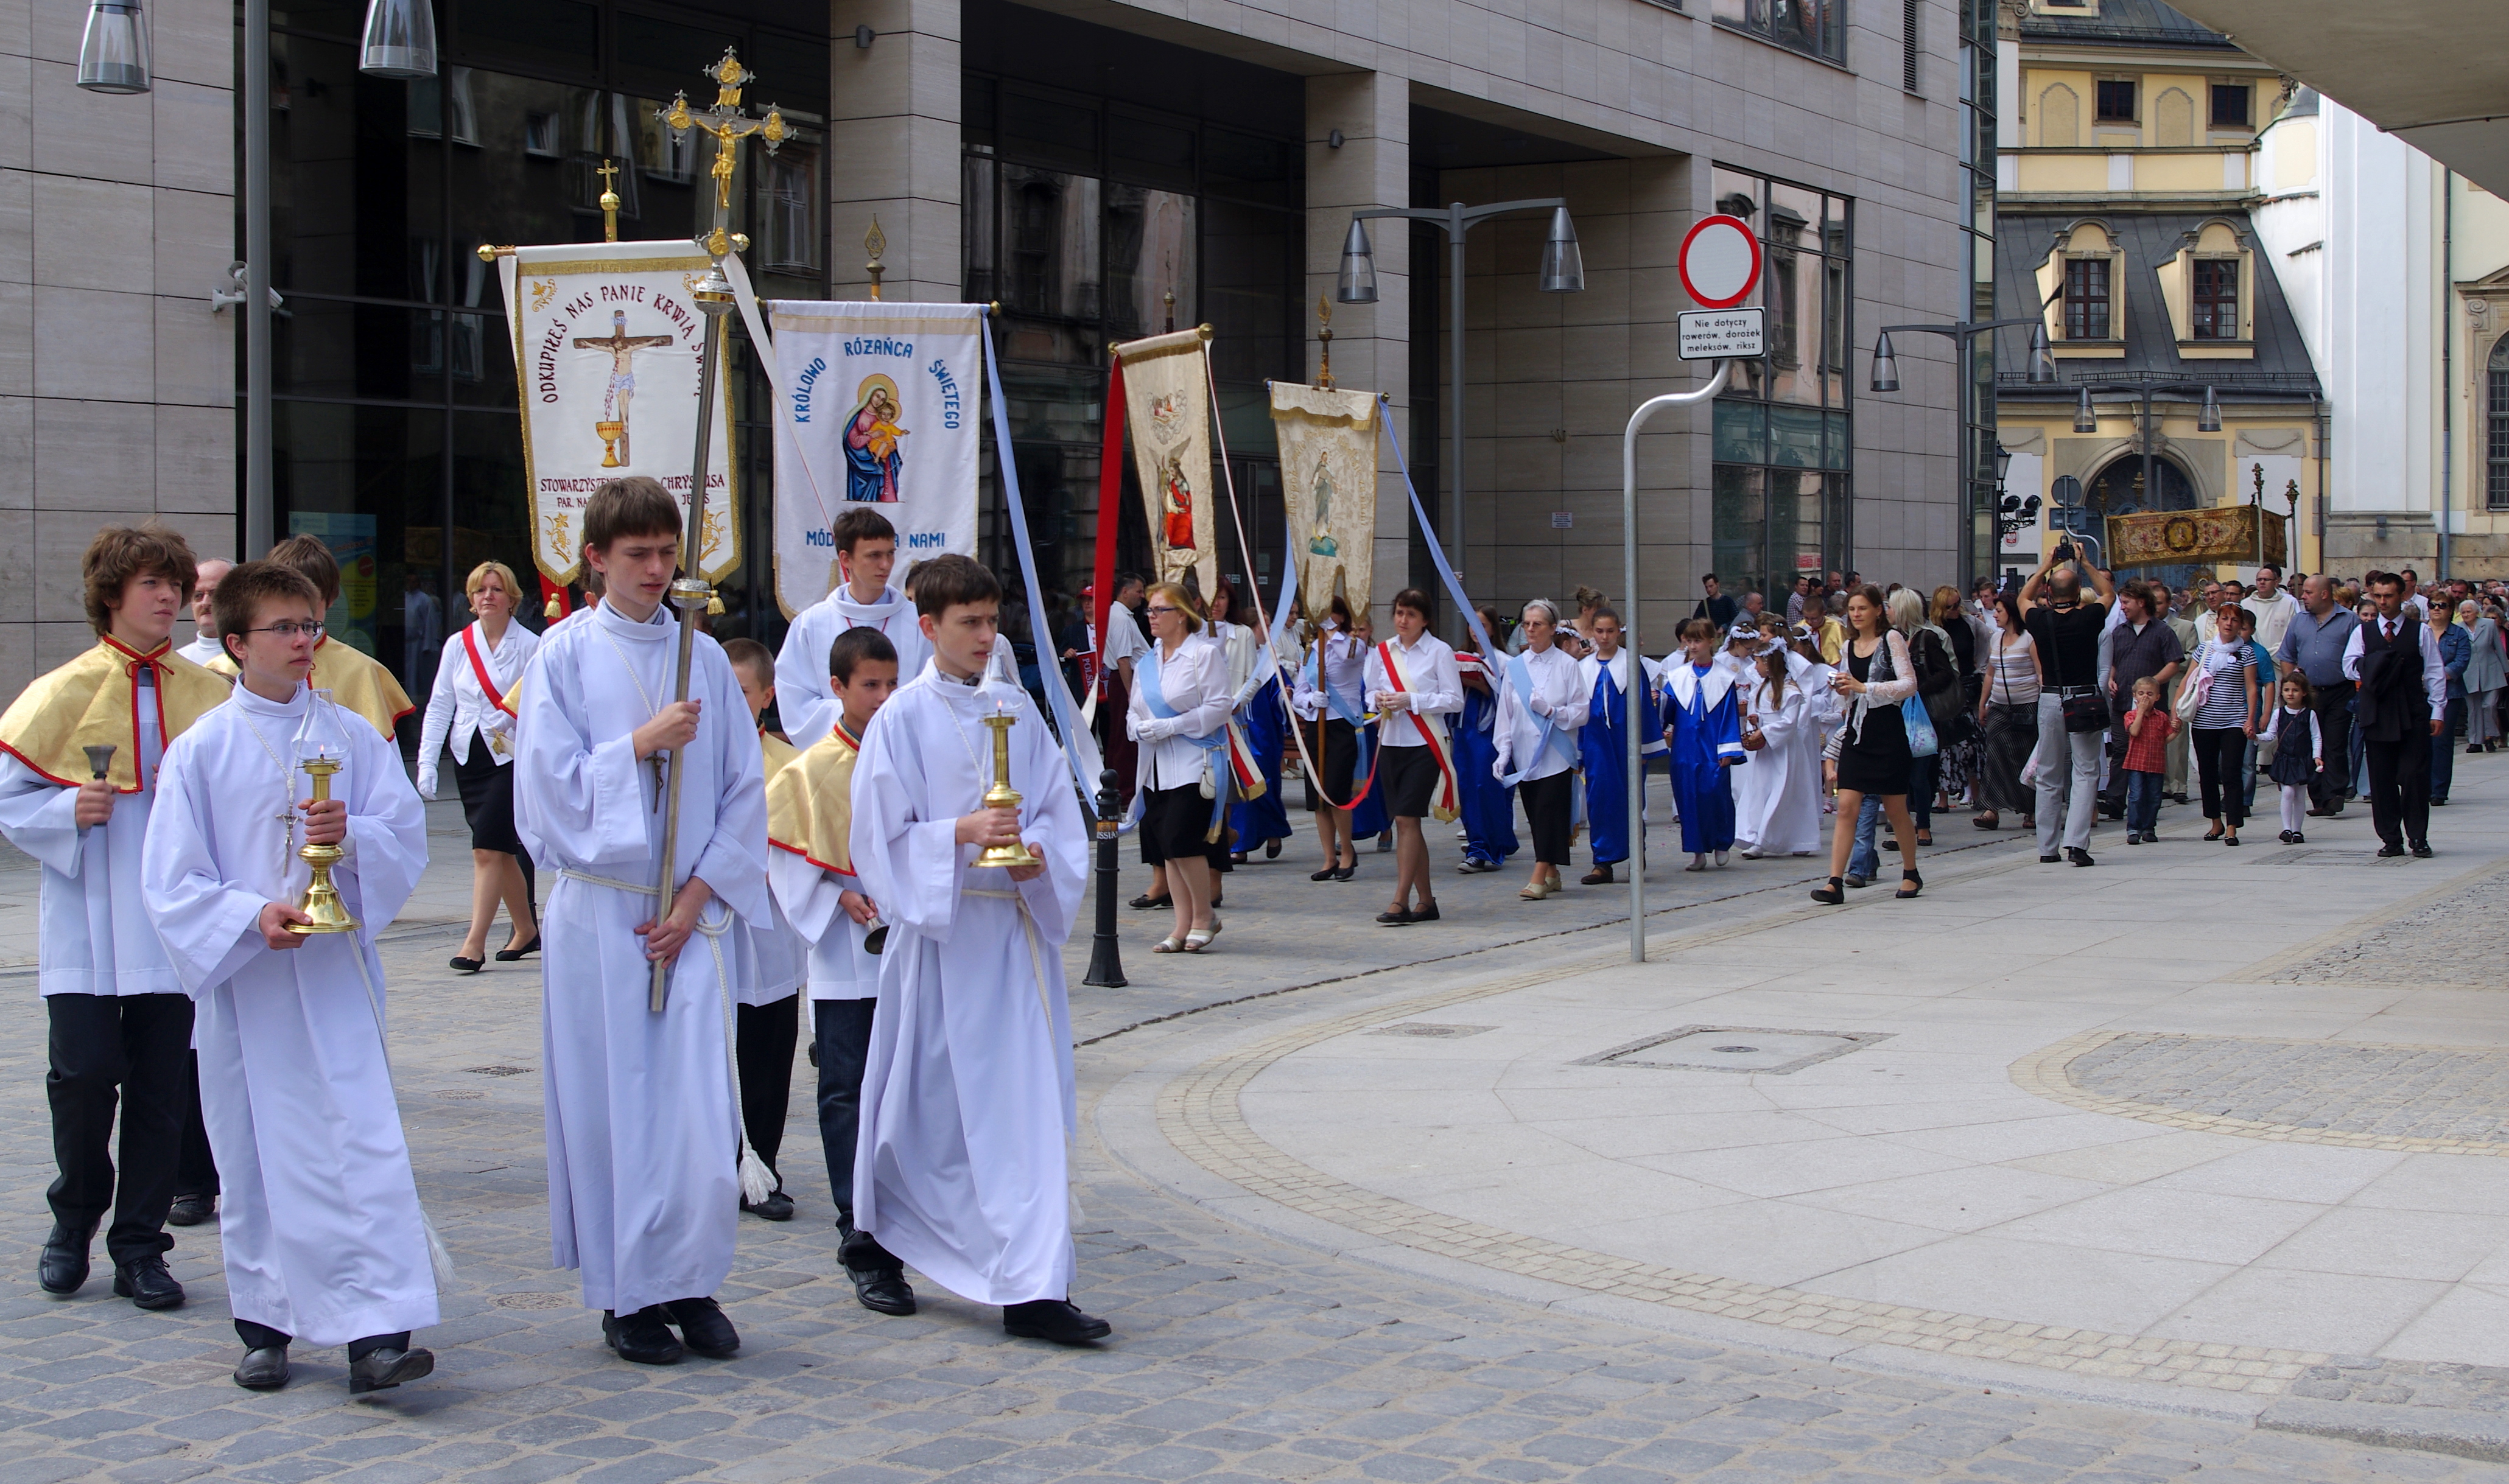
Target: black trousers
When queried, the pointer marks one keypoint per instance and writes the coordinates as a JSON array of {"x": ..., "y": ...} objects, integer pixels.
[
  {"x": 263, "y": 1337},
  {"x": 1551, "y": 810},
  {"x": 196, "y": 1173},
  {"x": 2221, "y": 757},
  {"x": 843, "y": 1030},
  {"x": 2327, "y": 790},
  {"x": 762, "y": 1040},
  {"x": 2400, "y": 784},
  {"x": 129, "y": 1050}
]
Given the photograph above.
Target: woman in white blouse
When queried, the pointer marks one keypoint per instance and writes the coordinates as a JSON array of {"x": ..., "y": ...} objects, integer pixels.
[
  {"x": 479, "y": 668},
  {"x": 1539, "y": 712},
  {"x": 1178, "y": 707}
]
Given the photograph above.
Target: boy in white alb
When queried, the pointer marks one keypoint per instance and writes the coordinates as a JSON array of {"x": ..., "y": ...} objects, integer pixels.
[
  {"x": 962, "y": 1169},
  {"x": 866, "y": 554},
  {"x": 323, "y": 1237},
  {"x": 766, "y": 1025},
  {"x": 642, "y": 1122},
  {"x": 809, "y": 824}
]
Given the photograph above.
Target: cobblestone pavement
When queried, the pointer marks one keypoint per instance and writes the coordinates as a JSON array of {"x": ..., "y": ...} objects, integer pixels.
[
  {"x": 2432, "y": 945},
  {"x": 2403, "y": 1091}
]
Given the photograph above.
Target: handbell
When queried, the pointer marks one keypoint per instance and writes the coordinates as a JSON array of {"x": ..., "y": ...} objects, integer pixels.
[
  {"x": 1001, "y": 796},
  {"x": 100, "y": 759}
]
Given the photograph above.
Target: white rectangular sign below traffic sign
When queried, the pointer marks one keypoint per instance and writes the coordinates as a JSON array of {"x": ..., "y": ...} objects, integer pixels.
[{"x": 1722, "y": 334}]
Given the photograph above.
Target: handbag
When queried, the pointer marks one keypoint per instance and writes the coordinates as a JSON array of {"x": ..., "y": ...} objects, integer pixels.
[
  {"x": 1922, "y": 741},
  {"x": 2086, "y": 710}
]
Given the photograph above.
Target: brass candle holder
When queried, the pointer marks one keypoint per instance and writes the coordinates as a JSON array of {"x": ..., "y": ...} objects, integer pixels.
[
  {"x": 1001, "y": 796},
  {"x": 321, "y": 901}
]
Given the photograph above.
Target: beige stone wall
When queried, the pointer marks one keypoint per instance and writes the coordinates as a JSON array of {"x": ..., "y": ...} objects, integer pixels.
[{"x": 117, "y": 384}]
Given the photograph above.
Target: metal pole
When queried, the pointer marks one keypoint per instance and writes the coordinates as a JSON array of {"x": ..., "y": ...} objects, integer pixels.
[
  {"x": 1455, "y": 230},
  {"x": 2151, "y": 468},
  {"x": 1106, "y": 958},
  {"x": 1629, "y": 642},
  {"x": 259, "y": 521},
  {"x": 1961, "y": 341}
]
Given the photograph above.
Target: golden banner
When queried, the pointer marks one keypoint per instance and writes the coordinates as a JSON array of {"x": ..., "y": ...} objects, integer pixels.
[
  {"x": 2244, "y": 533},
  {"x": 1329, "y": 480},
  {"x": 1167, "y": 399}
]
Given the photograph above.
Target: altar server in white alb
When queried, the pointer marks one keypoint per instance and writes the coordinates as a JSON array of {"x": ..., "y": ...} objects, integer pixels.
[
  {"x": 962, "y": 1169},
  {"x": 644, "y": 1189},
  {"x": 767, "y": 1023},
  {"x": 118, "y": 1019},
  {"x": 866, "y": 554},
  {"x": 324, "y": 1240}
]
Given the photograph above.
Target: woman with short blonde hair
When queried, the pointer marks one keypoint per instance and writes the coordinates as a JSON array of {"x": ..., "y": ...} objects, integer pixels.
[{"x": 466, "y": 712}]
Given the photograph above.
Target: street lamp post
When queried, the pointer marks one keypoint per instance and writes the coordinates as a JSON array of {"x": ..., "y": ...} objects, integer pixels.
[
  {"x": 1886, "y": 378},
  {"x": 2086, "y": 418},
  {"x": 1563, "y": 272},
  {"x": 2013, "y": 513}
]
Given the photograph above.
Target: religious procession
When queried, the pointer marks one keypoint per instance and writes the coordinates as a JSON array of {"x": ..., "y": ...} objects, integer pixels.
[{"x": 1563, "y": 904}]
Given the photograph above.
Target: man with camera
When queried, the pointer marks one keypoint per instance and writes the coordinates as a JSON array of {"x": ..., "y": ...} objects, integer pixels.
[{"x": 2073, "y": 714}]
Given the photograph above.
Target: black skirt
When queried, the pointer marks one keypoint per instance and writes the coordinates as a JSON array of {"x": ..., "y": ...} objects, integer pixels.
[
  {"x": 1409, "y": 778},
  {"x": 1339, "y": 759},
  {"x": 488, "y": 798},
  {"x": 1876, "y": 759},
  {"x": 1173, "y": 824}
]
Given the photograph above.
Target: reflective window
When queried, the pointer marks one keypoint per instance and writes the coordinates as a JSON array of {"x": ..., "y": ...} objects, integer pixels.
[
  {"x": 2216, "y": 300},
  {"x": 2231, "y": 105},
  {"x": 2497, "y": 377},
  {"x": 2116, "y": 101},
  {"x": 2086, "y": 299},
  {"x": 1815, "y": 27}
]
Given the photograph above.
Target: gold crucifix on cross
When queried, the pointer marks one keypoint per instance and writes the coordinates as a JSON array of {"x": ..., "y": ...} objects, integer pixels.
[
  {"x": 729, "y": 126},
  {"x": 609, "y": 174}
]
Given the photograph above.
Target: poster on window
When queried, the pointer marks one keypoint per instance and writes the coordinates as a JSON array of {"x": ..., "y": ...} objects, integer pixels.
[
  {"x": 878, "y": 405},
  {"x": 1166, "y": 401},
  {"x": 1329, "y": 480},
  {"x": 606, "y": 341}
]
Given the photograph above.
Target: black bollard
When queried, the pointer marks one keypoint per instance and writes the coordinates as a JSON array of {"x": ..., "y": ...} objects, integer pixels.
[{"x": 1106, "y": 960}]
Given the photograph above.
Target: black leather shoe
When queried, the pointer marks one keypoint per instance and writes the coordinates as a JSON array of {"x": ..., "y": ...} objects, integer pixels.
[
  {"x": 146, "y": 1283},
  {"x": 641, "y": 1337},
  {"x": 2079, "y": 856},
  {"x": 518, "y": 954},
  {"x": 704, "y": 1327},
  {"x": 2387, "y": 852},
  {"x": 777, "y": 1206},
  {"x": 464, "y": 965},
  {"x": 262, "y": 1370},
  {"x": 1056, "y": 1319},
  {"x": 2050, "y": 860},
  {"x": 377, "y": 1369},
  {"x": 191, "y": 1210},
  {"x": 882, "y": 1292},
  {"x": 1325, "y": 875},
  {"x": 1427, "y": 913},
  {"x": 2421, "y": 850},
  {"x": 63, "y": 1269},
  {"x": 1398, "y": 918},
  {"x": 1345, "y": 873},
  {"x": 1145, "y": 902}
]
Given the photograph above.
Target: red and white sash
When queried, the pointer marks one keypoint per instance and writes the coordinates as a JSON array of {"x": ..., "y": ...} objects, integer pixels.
[
  {"x": 479, "y": 673},
  {"x": 1433, "y": 732}
]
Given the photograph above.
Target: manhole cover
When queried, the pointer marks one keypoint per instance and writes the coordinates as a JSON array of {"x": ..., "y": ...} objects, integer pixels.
[
  {"x": 532, "y": 1300},
  {"x": 1753, "y": 1049},
  {"x": 498, "y": 1071},
  {"x": 1428, "y": 1030}
]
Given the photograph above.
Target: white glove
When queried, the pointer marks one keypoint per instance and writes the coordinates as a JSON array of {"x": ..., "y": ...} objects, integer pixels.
[
  {"x": 1538, "y": 703},
  {"x": 1153, "y": 730},
  {"x": 427, "y": 783}
]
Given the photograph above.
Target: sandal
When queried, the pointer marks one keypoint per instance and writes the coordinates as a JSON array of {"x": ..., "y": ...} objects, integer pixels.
[
  {"x": 1911, "y": 883},
  {"x": 1198, "y": 939},
  {"x": 1167, "y": 946}
]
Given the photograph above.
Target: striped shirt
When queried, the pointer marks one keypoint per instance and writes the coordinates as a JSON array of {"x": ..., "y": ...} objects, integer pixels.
[{"x": 2226, "y": 704}]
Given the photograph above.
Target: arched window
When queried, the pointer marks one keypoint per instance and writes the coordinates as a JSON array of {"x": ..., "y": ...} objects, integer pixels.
[{"x": 2496, "y": 429}]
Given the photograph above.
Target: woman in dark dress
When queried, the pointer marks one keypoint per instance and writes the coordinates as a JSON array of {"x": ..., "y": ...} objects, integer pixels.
[{"x": 1869, "y": 754}]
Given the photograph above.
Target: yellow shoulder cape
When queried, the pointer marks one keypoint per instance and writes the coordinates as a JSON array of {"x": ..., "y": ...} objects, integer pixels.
[
  {"x": 94, "y": 699},
  {"x": 358, "y": 683},
  {"x": 810, "y": 802}
]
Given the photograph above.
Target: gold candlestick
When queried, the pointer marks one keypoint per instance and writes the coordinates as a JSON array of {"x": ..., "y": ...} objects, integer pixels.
[
  {"x": 323, "y": 900},
  {"x": 1001, "y": 796}
]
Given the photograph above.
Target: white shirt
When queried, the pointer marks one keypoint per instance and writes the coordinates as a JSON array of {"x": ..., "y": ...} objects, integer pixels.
[
  {"x": 2434, "y": 668},
  {"x": 1124, "y": 639},
  {"x": 2273, "y": 617},
  {"x": 804, "y": 697},
  {"x": 1341, "y": 664},
  {"x": 203, "y": 649},
  {"x": 457, "y": 708},
  {"x": 1435, "y": 685},
  {"x": 1194, "y": 683},
  {"x": 1561, "y": 692}
]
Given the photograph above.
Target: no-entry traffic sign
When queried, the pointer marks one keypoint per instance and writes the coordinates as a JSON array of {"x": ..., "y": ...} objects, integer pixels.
[{"x": 1720, "y": 261}]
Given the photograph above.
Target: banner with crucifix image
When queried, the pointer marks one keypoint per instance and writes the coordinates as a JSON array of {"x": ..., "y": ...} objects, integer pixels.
[
  {"x": 607, "y": 340},
  {"x": 876, "y": 404},
  {"x": 1167, "y": 400}
]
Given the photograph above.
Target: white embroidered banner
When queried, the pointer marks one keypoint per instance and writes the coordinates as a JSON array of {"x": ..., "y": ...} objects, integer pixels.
[
  {"x": 879, "y": 406},
  {"x": 607, "y": 339},
  {"x": 1167, "y": 400},
  {"x": 1329, "y": 481}
]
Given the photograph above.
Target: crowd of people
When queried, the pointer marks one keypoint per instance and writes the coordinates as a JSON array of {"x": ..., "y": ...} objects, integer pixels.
[{"x": 2049, "y": 702}]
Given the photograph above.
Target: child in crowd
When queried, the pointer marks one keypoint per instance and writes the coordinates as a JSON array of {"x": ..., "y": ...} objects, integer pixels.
[
  {"x": 768, "y": 1015},
  {"x": 2294, "y": 766},
  {"x": 2149, "y": 727}
]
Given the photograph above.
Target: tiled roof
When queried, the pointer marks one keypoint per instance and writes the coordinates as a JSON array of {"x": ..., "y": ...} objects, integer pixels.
[
  {"x": 2134, "y": 22},
  {"x": 2281, "y": 367}
]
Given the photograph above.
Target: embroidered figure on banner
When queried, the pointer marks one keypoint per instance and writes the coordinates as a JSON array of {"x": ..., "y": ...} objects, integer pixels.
[
  {"x": 1176, "y": 506},
  {"x": 621, "y": 348},
  {"x": 873, "y": 461},
  {"x": 1320, "y": 542}
]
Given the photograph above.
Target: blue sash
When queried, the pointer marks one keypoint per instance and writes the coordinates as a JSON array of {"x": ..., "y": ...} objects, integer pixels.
[
  {"x": 1312, "y": 676},
  {"x": 1214, "y": 746},
  {"x": 1520, "y": 675}
]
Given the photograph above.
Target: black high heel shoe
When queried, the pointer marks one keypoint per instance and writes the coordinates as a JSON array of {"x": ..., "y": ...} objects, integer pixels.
[
  {"x": 1832, "y": 894},
  {"x": 1910, "y": 884},
  {"x": 517, "y": 955}
]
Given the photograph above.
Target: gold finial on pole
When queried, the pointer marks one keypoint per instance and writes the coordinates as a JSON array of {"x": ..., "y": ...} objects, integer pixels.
[
  {"x": 1324, "y": 335},
  {"x": 609, "y": 174},
  {"x": 874, "y": 243}
]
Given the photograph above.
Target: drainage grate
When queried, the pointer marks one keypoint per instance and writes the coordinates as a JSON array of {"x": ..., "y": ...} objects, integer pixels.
[
  {"x": 498, "y": 1071},
  {"x": 1755, "y": 1049},
  {"x": 1428, "y": 1031}
]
